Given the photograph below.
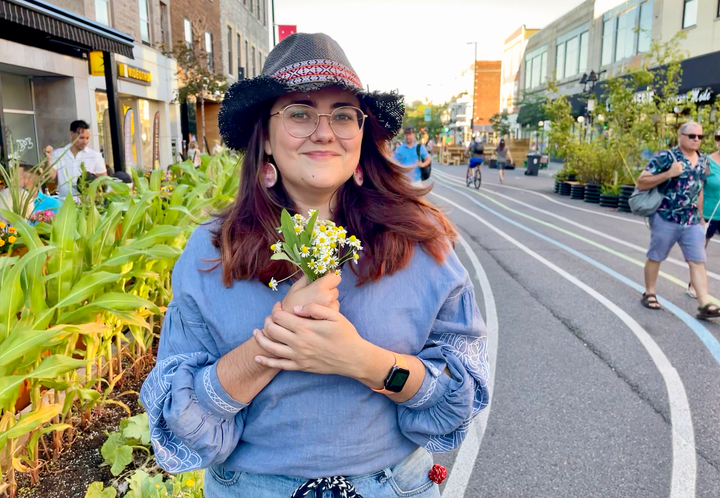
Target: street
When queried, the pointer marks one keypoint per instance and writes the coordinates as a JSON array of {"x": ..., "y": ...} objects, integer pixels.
[{"x": 593, "y": 395}]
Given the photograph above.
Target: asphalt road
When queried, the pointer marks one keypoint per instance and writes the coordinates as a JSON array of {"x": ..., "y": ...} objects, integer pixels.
[{"x": 593, "y": 394}]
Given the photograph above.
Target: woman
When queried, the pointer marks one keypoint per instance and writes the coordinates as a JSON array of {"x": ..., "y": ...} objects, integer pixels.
[
  {"x": 503, "y": 157},
  {"x": 340, "y": 386},
  {"x": 711, "y": 200},
  {"x": 194, "y": 154}
]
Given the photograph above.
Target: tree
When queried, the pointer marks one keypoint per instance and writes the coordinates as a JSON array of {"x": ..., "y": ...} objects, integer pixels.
[
  {"x": 197, "y": 79},
  {"x": 501, "y": 123},
  {"x": 415, "y": 117}
]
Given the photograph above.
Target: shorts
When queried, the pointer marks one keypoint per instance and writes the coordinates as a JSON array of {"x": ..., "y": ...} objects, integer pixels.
[
  {"x": 409, "y": 477},
  {"x": 501, "y": 165},
  {"x": 664, "y": 234},
  {"x": 712, "y": 227},
  {"x": 475, "y": 161}
]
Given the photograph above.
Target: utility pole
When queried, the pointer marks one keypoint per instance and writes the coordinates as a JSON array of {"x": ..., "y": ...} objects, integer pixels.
[{"x": 472, "y": 118}]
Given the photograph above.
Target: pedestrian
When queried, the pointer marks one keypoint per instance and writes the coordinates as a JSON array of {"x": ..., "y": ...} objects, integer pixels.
[
  {"x": 217, "y": 148},
  {"x": 412, "y": 155},
  {"x": 711, "y": 200},
  {"x": 679, "y": 219},
  {"x": 503, "y": 157},
  {"x": 430, "y": 146},
  {"x": 67, "y": 162},
  {"x": 194, "y": 154},
  {"x": 27, "y": 197},
  {"x": 282, "y": 394}
]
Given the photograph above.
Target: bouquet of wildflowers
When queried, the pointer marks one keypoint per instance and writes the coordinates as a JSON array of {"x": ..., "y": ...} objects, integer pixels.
[
  {"x": 42, "y": 216},
  {"x": 315, "y": 247},
  {"x": 8, "y": 237}
]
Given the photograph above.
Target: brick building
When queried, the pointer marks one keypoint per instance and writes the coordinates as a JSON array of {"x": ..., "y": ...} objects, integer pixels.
[
  {"x": 46, "y": 67},
  {"x": 486, "y": 100},
  {"x": 246, "y": 39}
]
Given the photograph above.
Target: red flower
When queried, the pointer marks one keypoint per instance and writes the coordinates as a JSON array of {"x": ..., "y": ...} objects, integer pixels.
[{"x": 437, "y": 474}]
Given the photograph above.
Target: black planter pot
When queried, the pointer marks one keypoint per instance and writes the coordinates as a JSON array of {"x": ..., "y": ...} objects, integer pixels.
[
  {"x": 577, "y": 192},
  {"x": 609, "y": 200},
  {"x": 592, "y": 193},
  {"x": 565, "y": 188},
  {"x": 571, "y": 178},
  {"x": 625, "y": 193},
  {"x": 558, "y": 183}
]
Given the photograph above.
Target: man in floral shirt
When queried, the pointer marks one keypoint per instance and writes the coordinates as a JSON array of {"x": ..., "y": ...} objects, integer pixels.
[{"x": 681, "y": 173}]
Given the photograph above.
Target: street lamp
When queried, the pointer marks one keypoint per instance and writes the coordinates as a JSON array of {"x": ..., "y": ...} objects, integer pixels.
[{"x": 472, "y": 118}]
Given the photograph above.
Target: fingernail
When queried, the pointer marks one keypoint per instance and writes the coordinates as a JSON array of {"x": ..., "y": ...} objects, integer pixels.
[
  {"x": 257, "y": 359},
  {"x": 298, "y": 309},
  {"x": 254, "y": 332}
]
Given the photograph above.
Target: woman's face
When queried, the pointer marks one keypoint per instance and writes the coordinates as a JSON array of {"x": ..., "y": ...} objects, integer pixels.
[{"x": 321, "y": 162}]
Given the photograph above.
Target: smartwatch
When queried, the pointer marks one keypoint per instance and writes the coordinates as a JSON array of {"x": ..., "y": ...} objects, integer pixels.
[{"x": 398, "y": 376}]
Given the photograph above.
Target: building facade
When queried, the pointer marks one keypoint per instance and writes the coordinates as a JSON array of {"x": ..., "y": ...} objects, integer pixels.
[
  {"x": 45, "y": 80},
  {"x": 513, "y": 53},
  {"x": 246, "y": 37},
  {"x": 486, "y": 96}
]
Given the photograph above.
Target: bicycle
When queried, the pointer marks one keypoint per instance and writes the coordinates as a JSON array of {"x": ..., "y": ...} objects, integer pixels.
[{"x": 474, "y": 178}]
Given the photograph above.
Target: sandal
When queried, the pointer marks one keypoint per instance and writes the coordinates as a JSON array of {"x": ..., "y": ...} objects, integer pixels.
[
  {"x": 708, "y": 311},
  {"x": 690, "y": 291},
  {"x": 650, "y": 302}
]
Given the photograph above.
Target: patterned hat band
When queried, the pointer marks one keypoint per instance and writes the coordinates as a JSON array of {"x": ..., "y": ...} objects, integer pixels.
[{"x": 319, "y": 70}]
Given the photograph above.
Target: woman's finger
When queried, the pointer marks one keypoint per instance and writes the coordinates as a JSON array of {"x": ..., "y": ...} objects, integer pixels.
[
  {"x": 316, "y": 312},
  {"x": 279, "y": 334},
  {"x": 282, "y": 364},
  {"x": 272, "y": 347}
]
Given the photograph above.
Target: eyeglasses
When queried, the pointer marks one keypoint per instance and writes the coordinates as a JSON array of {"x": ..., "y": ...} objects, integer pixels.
[
  {"x": 693, "y": 136},
  {"x": 302, "y": 120}
]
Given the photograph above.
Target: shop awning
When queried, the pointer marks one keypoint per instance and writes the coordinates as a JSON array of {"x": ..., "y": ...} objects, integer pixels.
[{"x": 60, "y": 27}]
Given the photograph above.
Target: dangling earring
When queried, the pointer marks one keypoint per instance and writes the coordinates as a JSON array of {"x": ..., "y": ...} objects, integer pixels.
[
  {"x": 358, "y": 176},
  {"x": 269, "y": 174}
]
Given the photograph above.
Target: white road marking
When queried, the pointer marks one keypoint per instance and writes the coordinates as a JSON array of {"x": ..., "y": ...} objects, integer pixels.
[
  {"x": 684, "y": 463},
  {"x": 643, "y": 250},
  {"x": 467, "y": 454}
]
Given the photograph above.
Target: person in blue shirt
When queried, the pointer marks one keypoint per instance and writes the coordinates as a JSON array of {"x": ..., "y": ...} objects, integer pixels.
[
  {"x": 343, "y": 386},
  {"x": 412, "y": 155}
]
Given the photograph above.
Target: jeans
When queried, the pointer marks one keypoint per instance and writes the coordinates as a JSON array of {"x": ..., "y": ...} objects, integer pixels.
[{"x": 409, "y": 477}]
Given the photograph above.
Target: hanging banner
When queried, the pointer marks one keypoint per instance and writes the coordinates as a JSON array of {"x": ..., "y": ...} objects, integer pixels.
[
  {"x": 156, "y": 141},
  {"x": 128, "y": 139},
  {"x": 285, "y": 30}
]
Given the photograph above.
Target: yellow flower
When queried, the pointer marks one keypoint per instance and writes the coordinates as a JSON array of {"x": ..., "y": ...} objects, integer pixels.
[
  {"x": 2, "y": 225},
  {"x": 190, "y": 483},
  {"x": 304, "y": 251},
  {"x": 12, "y": 230},
  {"x": 352, "y": 238},
  {"x": 2, "y": 242},
  {"x": 157, "y": 485},
  {"x": 333, "y": 245},
  {"x": 273, "y": 284},
  {"x": 298, "y": 229},
  {"x": 12, "y": 239},
  {"x": 322, "y": 228}
]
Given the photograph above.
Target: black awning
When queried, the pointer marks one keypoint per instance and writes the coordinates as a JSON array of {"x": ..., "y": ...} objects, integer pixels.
[{"x": 60, "y": 28}]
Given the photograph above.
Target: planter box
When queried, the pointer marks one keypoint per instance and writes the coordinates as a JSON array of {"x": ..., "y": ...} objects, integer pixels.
[
  {"x": 592, "y": 193},
  {"x": 625, "y": 193},
  {"x": 577, "y": 192},
  {"x": 609, "y": 200}
]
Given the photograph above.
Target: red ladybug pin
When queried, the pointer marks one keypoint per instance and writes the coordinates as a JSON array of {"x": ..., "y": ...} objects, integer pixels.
[{"x": 437, "y": 474}]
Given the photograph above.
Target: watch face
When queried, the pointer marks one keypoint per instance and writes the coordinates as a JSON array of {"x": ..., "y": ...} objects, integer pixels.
[{"x": 396, "y": 380}]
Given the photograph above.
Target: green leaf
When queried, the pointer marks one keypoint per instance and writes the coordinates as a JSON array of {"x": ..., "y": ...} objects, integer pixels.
[
  {"x": 142, "y": 485},
  {"x": 87, "y": 286},
  {"x": 39, "y": 433},
  {"x": 111, "y": 301},
  {"x": 97, "y": 490},
  {"x": 288, "y": 228},
  {"x": 29, "y": 423},
  {"x": 23, "y": 340},
  {"x": 123, "y": 458},
  {"x": 136, "y": 427},
  {"x": 156, "y": 235},
  {"x": 282, "y": 256},
  {"x": 135, "y": 214}
]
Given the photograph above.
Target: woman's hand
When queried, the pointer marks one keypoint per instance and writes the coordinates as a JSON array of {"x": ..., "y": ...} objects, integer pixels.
[
  {"x": 318, "y": 339},
  {"x": 322, "y": 291}
]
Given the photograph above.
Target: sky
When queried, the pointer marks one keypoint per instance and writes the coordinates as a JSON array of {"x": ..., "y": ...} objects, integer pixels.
[{"x": 419, "y": 47}]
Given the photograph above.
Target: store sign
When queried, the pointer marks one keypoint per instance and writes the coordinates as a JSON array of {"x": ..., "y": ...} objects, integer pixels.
[
  {"x": 134, "y": 74},
  {"x": 156, "y": 141},
  {"x": 694, "y": 96},
  {"x": 97, "y": 63}
]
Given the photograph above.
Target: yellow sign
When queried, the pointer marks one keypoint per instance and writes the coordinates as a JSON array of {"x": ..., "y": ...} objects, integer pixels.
[
  {"x": 97, "y": 64},
  {"x": 134, "y": 73}
]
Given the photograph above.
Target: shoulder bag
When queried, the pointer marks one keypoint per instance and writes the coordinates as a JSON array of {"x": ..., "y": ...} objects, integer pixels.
[{"x": 646, "y": 202}]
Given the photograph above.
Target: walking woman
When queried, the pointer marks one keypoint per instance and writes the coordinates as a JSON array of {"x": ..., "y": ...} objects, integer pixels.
[
  {"x": 503, "y": 156},
  {"x": 711, "y": 200},
  {"x": 347, "y": 384}
]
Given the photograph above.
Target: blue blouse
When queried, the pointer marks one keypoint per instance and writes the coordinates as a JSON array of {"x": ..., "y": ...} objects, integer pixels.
[{"x": 310, "y": 425}]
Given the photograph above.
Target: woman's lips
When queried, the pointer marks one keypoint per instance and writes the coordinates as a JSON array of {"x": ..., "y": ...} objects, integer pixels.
[{"x": 322, "y": 155}]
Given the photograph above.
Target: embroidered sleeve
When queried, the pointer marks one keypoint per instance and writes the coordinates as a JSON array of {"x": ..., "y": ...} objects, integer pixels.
[{"x": 439, "y": 415}]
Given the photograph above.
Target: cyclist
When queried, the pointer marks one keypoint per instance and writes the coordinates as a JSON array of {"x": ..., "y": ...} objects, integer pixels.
[{"x": 476, "y": 153}]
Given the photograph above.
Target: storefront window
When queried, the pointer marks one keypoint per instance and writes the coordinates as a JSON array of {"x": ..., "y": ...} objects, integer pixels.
[
  {"x": 145, "y": 134},
  {"x": 103, "y": 121},
  {"x": 128, "y": 128},
  {"x": 19, "y": 117}
]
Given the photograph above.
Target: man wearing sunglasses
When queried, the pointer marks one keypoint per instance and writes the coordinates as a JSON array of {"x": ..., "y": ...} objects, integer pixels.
[{"x": 680, "y": 173}]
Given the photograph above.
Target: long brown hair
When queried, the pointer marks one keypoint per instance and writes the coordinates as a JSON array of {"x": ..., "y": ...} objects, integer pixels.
[{"x": 387, "y": 214}]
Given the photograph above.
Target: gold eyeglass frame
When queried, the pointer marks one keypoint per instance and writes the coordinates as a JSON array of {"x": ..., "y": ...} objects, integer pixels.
[{"x": 281, "y": 113}]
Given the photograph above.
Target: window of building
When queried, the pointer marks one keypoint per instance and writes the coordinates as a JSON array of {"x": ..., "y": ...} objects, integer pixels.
[
  {"x": 164, "y": 31},
  {"x": 627, "y": 33},
  {"x": 144, "y": 10},
  {"x": 690, "y": 13},
  {"x": 209, "y": 51},
  {"x": 239, "y": 57},
  {"x": 572, "y": 52},
  {"x": 247, "y": 59},
  {"x": 253, "y": 62},
  {"x": 536, "y": 67},
  {"x": 187, "y": 27},
  {"x": 718, "y": 12},
  {"x": 229, "y": 50},
  {"x": 252, "y": 6},
  {"x": 264, "y": 12},
  {"x": 102, "y": 12},
  {"x": 260, "y": 62},
  {"x": 19, "y": 111}
]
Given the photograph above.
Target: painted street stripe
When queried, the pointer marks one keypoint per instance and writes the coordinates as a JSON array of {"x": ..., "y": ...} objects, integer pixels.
[
  {"x": 467, "y": 454},
  {"x": 710, "y": 342},
  {"x": 684, "y": 466},
  {"x": 643, "y": 250}
]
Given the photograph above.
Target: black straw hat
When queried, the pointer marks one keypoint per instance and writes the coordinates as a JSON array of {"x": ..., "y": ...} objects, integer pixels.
[{"x": 300, "y": 63}]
